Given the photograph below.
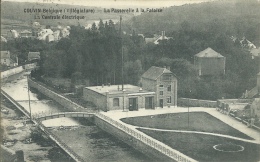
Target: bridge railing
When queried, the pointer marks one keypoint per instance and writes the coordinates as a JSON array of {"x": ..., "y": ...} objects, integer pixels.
[
  {"x": 38, "y": 116},
  {"x": 148, "y": 140}
]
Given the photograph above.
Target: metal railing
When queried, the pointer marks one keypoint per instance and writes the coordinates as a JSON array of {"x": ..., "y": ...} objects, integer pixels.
[
  {"x": 166, "y": 150},
  {"x": 65, "y": 114}
]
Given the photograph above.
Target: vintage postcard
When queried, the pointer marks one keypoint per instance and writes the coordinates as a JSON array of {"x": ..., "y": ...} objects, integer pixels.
[{"x": 130, "y": 80}]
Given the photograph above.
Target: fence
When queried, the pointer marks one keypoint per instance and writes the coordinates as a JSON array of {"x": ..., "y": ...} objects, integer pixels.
[
  {"x": 166, "y": 150},
  {"x": 196, "y": 102}
]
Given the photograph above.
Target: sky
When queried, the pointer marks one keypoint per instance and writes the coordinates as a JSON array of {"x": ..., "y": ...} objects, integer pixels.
[{"x": 118, "y": 3}]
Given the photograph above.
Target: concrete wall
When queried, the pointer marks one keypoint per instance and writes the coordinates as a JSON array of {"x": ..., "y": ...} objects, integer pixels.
[
  {"x": 12, "y": 71},
  {"x": 125, "y": 101},
  {"x": 154, "y": 85},
  {"x": 210, "y": 66},
  {"x": 196, "y": 102},
  {"x": 56, "y": 97},
  {"x": 96, "y": 98},
  {"x": 166, "y": 93},
  {"x": 141, "y": 142}
]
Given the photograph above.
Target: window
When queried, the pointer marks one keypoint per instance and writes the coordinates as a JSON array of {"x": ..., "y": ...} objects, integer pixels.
[
  {"x": 169, "y": 99},
  {"x": 161, "y": 86},
  {"x": 161, "y": 92},
  {"x": 169, "y": 88},
  {"x": 166, "y": 77},
  {"x": 116, "y": 102}
]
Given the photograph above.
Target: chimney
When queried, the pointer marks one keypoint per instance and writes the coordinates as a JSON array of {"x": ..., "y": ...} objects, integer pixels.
[
  {"x": 102, "y": 85},
  {"x": 163, "y": 35},
  {"x": 168, "y": 67}
]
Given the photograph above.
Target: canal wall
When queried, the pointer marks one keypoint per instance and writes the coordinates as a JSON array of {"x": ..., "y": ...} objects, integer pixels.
[
  {"x": 16, "y": 70},
  {"x": 71, "y": 106},
  {"x": 147, "y": 145},
  {"x": 12, "y": 71}
]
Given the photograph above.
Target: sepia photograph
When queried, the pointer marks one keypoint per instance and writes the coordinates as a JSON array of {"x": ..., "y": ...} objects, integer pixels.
[{"x": 130, "y": 81}]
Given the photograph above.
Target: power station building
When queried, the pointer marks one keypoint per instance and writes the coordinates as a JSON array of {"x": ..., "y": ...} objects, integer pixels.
[
  {"x": 209, "y": 62},
  {"x": 159, "y": 89}
]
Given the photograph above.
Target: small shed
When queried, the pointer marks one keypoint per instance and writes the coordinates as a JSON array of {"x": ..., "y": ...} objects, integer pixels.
[
  {"x": 209, "y": 62},
  {"x": 34, "y": 56}
]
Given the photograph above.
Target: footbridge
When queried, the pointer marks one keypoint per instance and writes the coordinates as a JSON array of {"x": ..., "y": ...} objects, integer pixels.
[{"x": 64, "y": 114}]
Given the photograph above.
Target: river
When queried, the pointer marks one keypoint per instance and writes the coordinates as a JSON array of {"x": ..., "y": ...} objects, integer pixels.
[{"x": 90, "y": 142}]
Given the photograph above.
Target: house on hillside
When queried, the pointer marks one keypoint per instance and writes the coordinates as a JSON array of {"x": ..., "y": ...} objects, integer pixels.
[
  {"x": 42, "y": 35},
  {"x": 209, "y": 62},
  {"x": 34, "y": 56},
  {"x": 25, "y": 34},
  {"x": 164, "y": 83},
  {"x": 3, "y": 39},
  {"x": 6, "y": 59},
  {"x": 255, "y": 108},
  {"x": 246, "y": 43},
  {"x": 157, "y": 38}
]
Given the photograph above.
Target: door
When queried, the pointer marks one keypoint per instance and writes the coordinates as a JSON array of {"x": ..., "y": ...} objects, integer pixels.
[
  {"x": 133, "y": 104},
  {"x": 149, "y": 102},
  {"x": 161, "y": 102}
]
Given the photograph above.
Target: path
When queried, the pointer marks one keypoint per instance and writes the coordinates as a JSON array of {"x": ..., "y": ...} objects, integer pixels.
[{"x": 118, "y": 114}]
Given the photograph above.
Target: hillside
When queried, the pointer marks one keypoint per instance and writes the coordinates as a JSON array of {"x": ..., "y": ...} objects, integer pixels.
[{"x": 231, "y": 17}]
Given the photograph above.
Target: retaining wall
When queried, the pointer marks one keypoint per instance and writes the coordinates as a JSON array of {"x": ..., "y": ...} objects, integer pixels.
[
  {"x": 141, "y": 142},
  {"x": 71, "y": 106},
  {"x": 12, "y": 71},
  {"x": 196, "y": 103}
]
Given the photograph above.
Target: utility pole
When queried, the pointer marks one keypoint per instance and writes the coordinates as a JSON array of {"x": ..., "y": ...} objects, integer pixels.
[
  {"x": 29, "y": 98},
  {"x": 122, "y": 52}
]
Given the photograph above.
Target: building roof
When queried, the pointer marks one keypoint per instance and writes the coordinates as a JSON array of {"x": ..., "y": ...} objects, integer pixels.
[
  {"x": 117, "y": 89},
  {"x": 26, "y": 31},
  {"x": 3, "y": 39},
  {"x": 208, "y": 53},
  {"x": 255, "y": 51},
  {"x": 155, "y": 72},
  {"x": 5, "y": 54},
  {"x": 34, "y": 54}
]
